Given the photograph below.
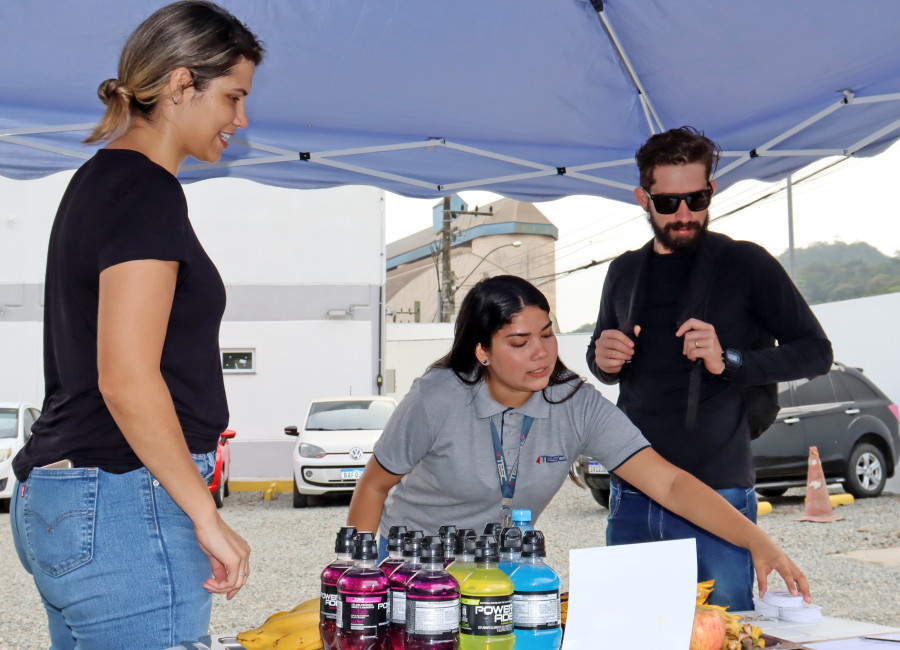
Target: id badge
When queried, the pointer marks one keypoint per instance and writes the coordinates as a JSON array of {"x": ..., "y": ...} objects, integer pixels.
[{"x": 506, "y": 513}]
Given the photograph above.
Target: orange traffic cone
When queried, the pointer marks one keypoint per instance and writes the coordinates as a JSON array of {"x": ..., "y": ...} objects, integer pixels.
[{"x": 818, "y": 505}]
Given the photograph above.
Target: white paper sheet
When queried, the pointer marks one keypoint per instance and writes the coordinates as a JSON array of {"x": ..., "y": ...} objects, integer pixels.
[{"x": 638, "y": 596}]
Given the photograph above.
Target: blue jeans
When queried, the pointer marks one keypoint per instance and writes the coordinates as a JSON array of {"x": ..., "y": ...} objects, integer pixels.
[
  {"x": 635, "y": 518},
  {"x": 116, "y": 562}
]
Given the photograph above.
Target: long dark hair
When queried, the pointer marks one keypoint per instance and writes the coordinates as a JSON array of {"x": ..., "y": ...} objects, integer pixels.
[{"x": 490, "y": 306}]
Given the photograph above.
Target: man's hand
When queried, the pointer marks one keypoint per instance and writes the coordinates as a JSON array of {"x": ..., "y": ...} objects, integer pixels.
[
  {"x": 613, "y": 350},
  {"x": 701, "y": 342}
]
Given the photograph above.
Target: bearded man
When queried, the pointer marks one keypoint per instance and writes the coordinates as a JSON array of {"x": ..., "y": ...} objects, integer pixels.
[{"x": 685, "y": 327}]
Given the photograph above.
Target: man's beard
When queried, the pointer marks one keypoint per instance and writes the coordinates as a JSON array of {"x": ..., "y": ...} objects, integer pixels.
[{"x": 681, "y": 244}]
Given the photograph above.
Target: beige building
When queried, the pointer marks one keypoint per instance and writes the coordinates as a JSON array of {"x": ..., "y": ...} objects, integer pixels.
[{"x": 515, "y": 238}]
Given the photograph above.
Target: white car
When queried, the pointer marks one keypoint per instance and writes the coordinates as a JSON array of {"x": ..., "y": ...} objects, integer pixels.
[
  {"x": 336, "y": 442},
  {"x": 15, "y": 429}
]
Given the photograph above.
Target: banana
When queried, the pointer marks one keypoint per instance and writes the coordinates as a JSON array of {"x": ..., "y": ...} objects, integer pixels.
[
  {"x": 303, "y": 639},
  {"x": 290, "y": 622},
  {"x": 311, "y": 604},
  {"x": 276, "y": 615}
]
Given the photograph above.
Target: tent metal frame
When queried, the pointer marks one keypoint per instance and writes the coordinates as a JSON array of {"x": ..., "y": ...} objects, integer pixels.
[{"x": 536, "y": 169}]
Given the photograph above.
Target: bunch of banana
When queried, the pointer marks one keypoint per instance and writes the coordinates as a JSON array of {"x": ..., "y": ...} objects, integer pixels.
[
  {"x": 748, "y": 637},
  {"x": 295, "y": 629}
]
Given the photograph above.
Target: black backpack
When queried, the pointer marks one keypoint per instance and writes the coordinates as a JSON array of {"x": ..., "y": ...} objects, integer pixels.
[{"x": 760, "y": 402}]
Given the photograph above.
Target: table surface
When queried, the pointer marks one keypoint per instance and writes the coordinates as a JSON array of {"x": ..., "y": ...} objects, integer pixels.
[{"x": 828, "y": 629}]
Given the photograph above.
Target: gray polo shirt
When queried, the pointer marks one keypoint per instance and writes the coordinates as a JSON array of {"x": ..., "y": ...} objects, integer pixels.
[{"x": 439, "y": 438}]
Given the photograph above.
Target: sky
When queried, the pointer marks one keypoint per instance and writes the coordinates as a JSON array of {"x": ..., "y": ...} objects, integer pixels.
[{"x": 850, "y": 201}]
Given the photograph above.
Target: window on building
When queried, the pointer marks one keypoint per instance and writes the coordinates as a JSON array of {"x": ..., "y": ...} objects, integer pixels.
[{"x": 239, "y": 361}]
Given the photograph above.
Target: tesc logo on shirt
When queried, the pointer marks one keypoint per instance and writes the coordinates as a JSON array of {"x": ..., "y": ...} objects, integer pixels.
[{"x": 551, "y": 459}]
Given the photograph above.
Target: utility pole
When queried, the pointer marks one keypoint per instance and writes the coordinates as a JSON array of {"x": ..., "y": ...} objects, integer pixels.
[
  {"x": 448, "y": 306},
  {"x": 446, "y": 271}
]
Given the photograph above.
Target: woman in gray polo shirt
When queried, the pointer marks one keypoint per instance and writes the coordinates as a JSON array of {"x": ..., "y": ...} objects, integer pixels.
[{"x": 497, "y": 423}]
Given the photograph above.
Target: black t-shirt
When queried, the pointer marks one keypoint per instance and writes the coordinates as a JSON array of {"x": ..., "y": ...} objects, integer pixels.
[
  {"x": 656, "y": 395},
  {"x": 119, "y": 207}
]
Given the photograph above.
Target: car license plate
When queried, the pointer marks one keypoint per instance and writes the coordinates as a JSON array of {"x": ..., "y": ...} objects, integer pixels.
[
  {"x": 351, "y": 474},
  {"x": 596, "y": 468}
]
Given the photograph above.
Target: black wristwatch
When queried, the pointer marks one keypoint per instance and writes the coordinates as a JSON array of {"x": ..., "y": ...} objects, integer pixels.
[{"x": 733, "y": 361}]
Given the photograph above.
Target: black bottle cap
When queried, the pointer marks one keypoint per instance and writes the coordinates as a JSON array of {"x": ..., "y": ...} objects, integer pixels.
[
  {"x": 465, "y": 541},
  {"x": 511, "y": 539},
  {"x": 492, "y": 528},
  {"x": 366, "y": 547},
  {"x": 432, "y": 549},
  {"x": 448, "y": 539},
  {"x": 533, "y": 544},
  {"x": 395, "y": 537},
  {"x": 412, "y": 544},
  {"x": 346, "y": 540},
  {"x": 486, "y": 549}
]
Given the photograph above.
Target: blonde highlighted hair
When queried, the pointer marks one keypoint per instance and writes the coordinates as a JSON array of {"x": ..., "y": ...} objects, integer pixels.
[{"x": 194, "y": 34}]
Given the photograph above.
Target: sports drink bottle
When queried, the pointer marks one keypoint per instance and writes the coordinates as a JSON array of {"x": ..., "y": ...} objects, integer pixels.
[
  {"x": 344, "y": 546},
  {"x": 486, "y": 612},
  {"x": 510, "y": 549},
  {"x": 448, "y": 538},
  {"x": 396, "y": 631},
  {"x": 464, "y": 561},
  {"x": 537, "y": 617},
  {"x": 432, "y": 602},
  {"x": 394, "y": 546},
  {"x": 362, "y": 608}
]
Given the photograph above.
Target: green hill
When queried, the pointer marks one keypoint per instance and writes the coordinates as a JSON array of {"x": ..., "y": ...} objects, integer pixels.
[{"x": 828, "y": 272}]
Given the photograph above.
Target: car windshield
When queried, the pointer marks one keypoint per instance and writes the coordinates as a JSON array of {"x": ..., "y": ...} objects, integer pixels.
[
  {"x": 349, "y": 415},
  {"x": 8, "y": 423}
]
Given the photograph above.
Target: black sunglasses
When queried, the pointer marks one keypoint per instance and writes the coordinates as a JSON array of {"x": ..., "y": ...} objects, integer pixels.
[{"x": 668, "y": 203}]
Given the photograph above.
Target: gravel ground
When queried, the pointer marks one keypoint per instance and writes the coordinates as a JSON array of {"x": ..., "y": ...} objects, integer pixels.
[{"x": 290, "y": 547}]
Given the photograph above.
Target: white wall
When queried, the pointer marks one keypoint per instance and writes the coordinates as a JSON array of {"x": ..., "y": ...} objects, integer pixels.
[
  {"x": 257, "y": 234},
  {"x": 295, "y": 361}
]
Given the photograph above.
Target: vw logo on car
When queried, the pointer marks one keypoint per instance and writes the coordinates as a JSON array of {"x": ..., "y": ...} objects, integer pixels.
[{"x": 335, "y": 443}]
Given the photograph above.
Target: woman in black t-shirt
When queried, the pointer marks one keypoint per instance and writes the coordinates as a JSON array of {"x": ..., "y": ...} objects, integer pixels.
[{"x": 123, "y": 539}]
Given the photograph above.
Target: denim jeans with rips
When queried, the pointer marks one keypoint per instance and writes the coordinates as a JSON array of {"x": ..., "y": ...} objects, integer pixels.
[
  {"x": 115, "y": 560},
  {"x": 635, "y": 518}
]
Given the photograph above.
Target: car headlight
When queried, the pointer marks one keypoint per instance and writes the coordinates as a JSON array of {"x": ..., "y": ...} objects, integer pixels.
[
  {"x": 311, "y": 451},
  {"x": 4, "y": 454}
]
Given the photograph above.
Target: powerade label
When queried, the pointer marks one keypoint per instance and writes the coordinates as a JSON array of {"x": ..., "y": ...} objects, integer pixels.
[
  {"x": 328, "y": 602},
  {"x": 537, "y": 610},
  {"x": 486, "y": 615},
  {"x": 398, "y": 606},
  {"x": 425, "y": 618},
  {"x": 365, "y": 613}
]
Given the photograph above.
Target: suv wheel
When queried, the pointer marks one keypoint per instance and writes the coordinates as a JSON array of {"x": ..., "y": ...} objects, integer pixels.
[
  {"x": 601, "y": 496},
  {"x": 865, "y": 472},
  {"x": 300, "y": 500}
]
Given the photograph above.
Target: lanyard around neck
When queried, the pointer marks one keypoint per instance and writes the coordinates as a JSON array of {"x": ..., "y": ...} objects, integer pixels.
[{"x": 508, "y": 475}]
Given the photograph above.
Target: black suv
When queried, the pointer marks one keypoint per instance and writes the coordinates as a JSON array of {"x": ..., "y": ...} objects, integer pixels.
[{"x": 847, "y": 417}]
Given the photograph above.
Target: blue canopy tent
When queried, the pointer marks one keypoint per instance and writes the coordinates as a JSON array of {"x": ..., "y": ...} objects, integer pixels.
[{"x": 527, "y": 98}]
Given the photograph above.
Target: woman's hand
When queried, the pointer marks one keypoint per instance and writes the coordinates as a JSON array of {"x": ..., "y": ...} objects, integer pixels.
[
  {"x": 767, "y": 556},
  {"x": 229, "y": 557}
]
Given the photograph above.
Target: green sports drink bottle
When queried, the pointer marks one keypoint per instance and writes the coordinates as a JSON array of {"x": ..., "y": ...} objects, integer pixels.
[{"x": 486, "y": 595}]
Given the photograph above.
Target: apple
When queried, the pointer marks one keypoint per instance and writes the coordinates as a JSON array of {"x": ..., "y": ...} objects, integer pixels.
[{"x": 708, "y": 632}]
